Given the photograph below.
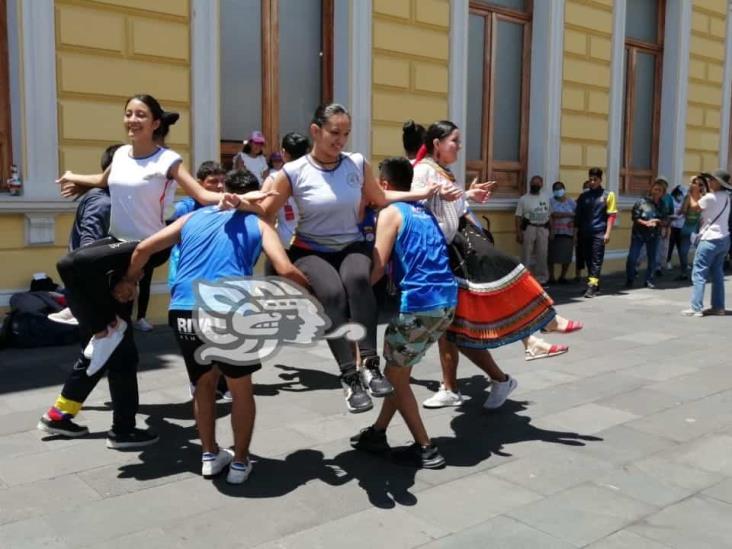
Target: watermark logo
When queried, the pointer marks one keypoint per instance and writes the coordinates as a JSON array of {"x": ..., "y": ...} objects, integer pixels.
[{"x": 242, "y": 321}]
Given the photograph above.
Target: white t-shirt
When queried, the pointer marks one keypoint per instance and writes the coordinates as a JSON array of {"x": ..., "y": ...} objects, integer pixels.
[
  {"x": 712, "y": 204},
  {"x": 255, "y": 164},
  {"x": 535, "y": 208},
  {"x": 141, "y": 192}
]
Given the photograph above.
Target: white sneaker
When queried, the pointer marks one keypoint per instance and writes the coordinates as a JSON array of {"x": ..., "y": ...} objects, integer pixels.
[
  {"x": 64, "y": 316},
  {"x": 692, "y": 312},
  {"x": 499, "y": 393},
  {"x": 444, "y": 398},
  {"x": 143, "y": 325},
  {"x": 239, "y": 472},
  {"x": 103, "y": 347},
  {"x": 669, "y": 267},
  {"x": 212, "y": 464},
  {"x": 191, "y": 389},
  {"x": 226, "y": 397}
]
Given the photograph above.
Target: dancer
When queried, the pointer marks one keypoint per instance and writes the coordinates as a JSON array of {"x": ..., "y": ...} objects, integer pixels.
[
  {"x": 90, "y": 225},
  {"x": 141, "y": 181},
  {"x": 328, "y": 186},
  {"x": 412, "y": 138},
  {"x": 499, "y": 302},
  {"x": 214, "y": 244},
  {"x": 408, "y": 235}
]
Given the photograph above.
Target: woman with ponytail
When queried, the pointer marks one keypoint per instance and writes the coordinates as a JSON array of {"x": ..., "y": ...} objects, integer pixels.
[
  {"x": 499, "y": 302},
  {"x": 141, "y": 181}
]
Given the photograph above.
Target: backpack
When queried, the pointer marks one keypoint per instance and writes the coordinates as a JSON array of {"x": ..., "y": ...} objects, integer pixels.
[{"x": 28, "y": 325}]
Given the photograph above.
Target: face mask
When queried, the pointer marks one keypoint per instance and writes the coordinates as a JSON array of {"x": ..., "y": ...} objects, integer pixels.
[
  {"x": 535, "y": 189},
  {"x": 559, "y": 193}
]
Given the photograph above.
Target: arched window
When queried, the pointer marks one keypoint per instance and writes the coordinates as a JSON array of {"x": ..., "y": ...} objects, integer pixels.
[{"x": 496, "y": 134}]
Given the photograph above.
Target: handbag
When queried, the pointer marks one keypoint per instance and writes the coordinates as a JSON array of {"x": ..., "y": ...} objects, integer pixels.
[{"x": 696, "y": 239}]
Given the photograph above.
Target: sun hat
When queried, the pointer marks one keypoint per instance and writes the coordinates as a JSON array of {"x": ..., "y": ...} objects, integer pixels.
[
  {"x": 722, "y": 176},
  {"x": 256, "y": 137}
]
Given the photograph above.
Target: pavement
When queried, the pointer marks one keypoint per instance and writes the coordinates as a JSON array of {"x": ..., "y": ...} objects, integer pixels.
[{"x": 626, "y": 441}]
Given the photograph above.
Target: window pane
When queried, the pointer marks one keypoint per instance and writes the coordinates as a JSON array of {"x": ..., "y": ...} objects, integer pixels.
[
  {"x": 506, "y": 113},
  {"x": 241, "y": 68},
  {"x": 300, "y": 63},
  {"x": 476, "y": 62},
  {"x": 643, "y": 111},
  {"x": 641, "y": 20},
  {"x": 519, "y": 5}
]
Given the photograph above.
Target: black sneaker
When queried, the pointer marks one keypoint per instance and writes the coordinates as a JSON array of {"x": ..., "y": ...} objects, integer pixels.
[
  {"x": 357, "y": 399},
  {"x": 592, "y": 291},
  {"x": 419, "y": 457},
  {"x": 65, "y": 427},
  {"x": 628, "y": 284},
  {"x": 372, "y": 378},
  {"x": 370, "y": 440},
  {"x": 137, "y": 438}
]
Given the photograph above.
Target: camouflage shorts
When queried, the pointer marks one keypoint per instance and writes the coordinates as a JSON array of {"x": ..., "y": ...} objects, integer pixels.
[{"x": 409, "y": 335}]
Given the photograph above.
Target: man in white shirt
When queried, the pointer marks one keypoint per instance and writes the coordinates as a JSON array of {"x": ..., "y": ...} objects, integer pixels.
[{"x": 532, "y": 229}]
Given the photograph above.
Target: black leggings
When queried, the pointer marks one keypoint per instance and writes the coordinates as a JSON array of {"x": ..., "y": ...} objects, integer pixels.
[
  {"x": 341, "y": 282},
  {"x": 143, "y": 293},
  {"x": 89, "y": 274}
]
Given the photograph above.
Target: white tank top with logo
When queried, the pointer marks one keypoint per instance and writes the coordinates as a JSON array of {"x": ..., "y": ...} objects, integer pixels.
[{"x": 327, "y": 202}]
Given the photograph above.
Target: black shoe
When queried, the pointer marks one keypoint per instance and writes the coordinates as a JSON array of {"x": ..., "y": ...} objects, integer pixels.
[
  {"x": 628, "y": 284},
  {"x": 681, "y": 278},
  {"x": 591, "y": 291},
  {"x": 372, "y": 378},
  {"x": 357, "y": 399},
  {"x": 137, "y": 438},
  {"x": 658, "y": 273},
  {"x": 370, "y": 440},
  {"x": 419, "y": 457},
  {"x": 65, "y": 427},
  {"x": 650, "y": 285}
]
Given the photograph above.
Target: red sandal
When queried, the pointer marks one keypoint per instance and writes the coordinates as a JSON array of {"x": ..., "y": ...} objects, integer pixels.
[
  {"x": 572, "y": 326},
  {"x": 554, "y": 350}
]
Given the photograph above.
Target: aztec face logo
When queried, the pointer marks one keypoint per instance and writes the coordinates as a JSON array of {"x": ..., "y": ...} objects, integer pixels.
[{"x": 242, "y": 321}]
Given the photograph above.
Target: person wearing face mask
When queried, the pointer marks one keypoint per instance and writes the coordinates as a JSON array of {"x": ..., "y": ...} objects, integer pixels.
[
  {"x": 532, "y": 229},
  {"x": 561, "y": 238}
]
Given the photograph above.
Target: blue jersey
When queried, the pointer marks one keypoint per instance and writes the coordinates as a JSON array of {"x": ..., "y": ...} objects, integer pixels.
[
  {"x": 182, "y": 207},
  {"x": 214, "y": 244},
  {"x": 421, "y": 267}
]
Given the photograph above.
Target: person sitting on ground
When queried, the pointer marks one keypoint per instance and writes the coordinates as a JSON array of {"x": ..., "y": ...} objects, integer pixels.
[
  {"x": 214, "y": 244},
  {"x": 409, "y": 236}
]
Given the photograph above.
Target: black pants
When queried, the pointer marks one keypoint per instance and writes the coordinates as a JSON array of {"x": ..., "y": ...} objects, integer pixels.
[
  {"x": 593, "y": 252},
  {"x": 143, "y": 293},
  {"x": 121, "y": 369},
  {"x": 341, "y": 282},
  {"x": 89, "y": 273}
]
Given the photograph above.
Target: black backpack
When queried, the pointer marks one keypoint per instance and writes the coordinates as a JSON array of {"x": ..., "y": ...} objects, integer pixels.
[{"x": 28, "y": 324}]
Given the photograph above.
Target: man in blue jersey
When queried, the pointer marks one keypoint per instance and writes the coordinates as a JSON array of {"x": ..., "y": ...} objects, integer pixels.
[
  {"x": 409, "y": 235},
  {"x": 214, "y": 244}
]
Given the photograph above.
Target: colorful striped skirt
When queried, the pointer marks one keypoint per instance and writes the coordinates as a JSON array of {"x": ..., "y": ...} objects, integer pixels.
[{"x": 499, "y": 302}]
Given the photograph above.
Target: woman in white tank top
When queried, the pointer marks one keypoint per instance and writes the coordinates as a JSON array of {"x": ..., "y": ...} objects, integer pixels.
[{"x": 327, "y": 186}]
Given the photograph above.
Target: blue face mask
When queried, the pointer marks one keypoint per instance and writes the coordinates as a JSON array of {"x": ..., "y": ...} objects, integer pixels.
[{"x": 559, "y": 193}]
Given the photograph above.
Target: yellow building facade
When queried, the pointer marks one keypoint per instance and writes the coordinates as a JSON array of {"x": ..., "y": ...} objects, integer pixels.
[{"x": 73, "y": 63}]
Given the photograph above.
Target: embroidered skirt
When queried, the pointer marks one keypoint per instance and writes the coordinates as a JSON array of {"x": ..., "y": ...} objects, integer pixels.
[{"x": 499, "y": 302}]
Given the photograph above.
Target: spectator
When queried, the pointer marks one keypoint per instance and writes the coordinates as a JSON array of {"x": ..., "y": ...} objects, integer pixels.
[
  {"x": 713, "y": 242},
  {"x": 275, "y": 162},
  {"x": 666, "y": 210},
  {"x": 252, "y": 157},
  {"x": 676, "y": 238},
  {"x": 594, "y": 219},
  {"x": 532, "y": 229},
  {"x": 579, "y": 261},
  {"x": 561, "y": 238},
  {"x": 647, "y": 220}
]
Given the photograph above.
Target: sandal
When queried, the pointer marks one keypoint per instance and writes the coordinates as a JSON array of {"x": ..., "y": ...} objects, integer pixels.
[
  {"x": 554, "y": 350},
  {"x": 572, "y": 326}
]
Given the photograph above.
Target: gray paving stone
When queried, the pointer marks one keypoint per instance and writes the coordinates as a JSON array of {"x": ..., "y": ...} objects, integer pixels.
[
  {"x": 367, "y": 529},
  {"x": 31, "y": 534},
  {"x": 713, "y": 453},
  {"x": 476, "y": 503},
  {"x": 661, "y": 467},
  {"x": 582, "y": 514},
  {"x": 642, "y": 401},
  {"x": 499, "y": 532},
  {"x": 625, "y": 539},
  {"x": 660, "y": 371},
  {"x": 587, "y": 419},
  {"x": 721, "y": 491},
  {"x": 632, "y": 482},
  {"x": 154, "y": 538},
  {"x": 704, "y": 382},
  {"x": 622, "y": 444},
  {"x": 696, "y": 522},
  {"x": 551, "y": 470},
  {"x": 43, "y": 497}
]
